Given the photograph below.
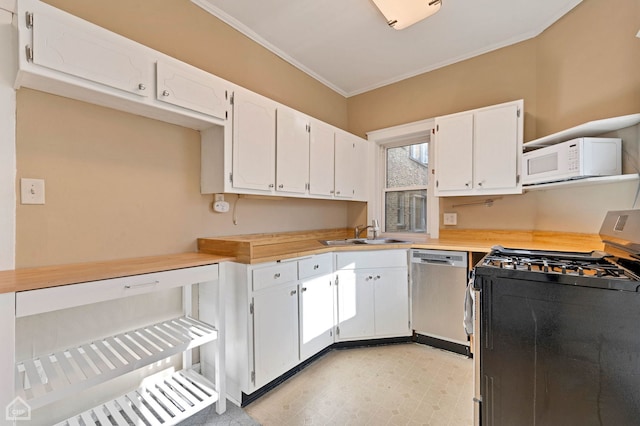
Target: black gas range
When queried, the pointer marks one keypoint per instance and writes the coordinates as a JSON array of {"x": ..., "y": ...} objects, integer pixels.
[
  {"x": 559, "y": 338},
  {"x": 573, "y": 268}
]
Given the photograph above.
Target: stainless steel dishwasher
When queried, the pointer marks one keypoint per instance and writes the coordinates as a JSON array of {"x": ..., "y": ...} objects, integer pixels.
[{"x": 438, "y": 284}]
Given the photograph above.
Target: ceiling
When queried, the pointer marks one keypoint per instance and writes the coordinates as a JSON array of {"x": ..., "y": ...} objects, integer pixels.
[{"x": 347, "y": 45}]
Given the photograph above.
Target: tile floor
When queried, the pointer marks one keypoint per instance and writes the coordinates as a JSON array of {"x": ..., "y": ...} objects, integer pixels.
[{"x": 405, "y": 384}]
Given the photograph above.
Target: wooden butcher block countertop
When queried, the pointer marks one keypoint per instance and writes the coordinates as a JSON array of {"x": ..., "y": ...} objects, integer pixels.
[
  {"x": 257, "y": 248},
  {"x": 57, "y": 275}
]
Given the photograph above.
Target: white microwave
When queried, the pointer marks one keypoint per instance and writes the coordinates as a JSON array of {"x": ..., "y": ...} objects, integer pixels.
[{"x": 574, "y": 159}]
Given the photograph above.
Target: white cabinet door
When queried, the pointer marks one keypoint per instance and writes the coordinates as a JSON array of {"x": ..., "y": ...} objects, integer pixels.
[
  {"x": 275, "y": 325},
  {"x": 356, "y": 304},
  {"x": 454, "y": 152},
  {"x": 361, "y": 165},
  {"x": 316, "y": 315},
  {"x": 346, "y": 167},
  {"x": 496, "y": 159},
  {"x": 91, "y": 53},
  {"x": 392, "y": 302},
  {"x": 254, "y": 142},
  {"x": 292, "y": 151},
  {"x": 192, "y": 88},
  {"x": 321, "y": 159}
]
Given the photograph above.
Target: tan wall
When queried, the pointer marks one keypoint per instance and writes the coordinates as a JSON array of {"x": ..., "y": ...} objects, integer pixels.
[
  {"x": 500, "y": 76},
  {"x": 589, "y": 65},
  {"x": 119, "y": 185},
  {"x": 584, "y": 67}
]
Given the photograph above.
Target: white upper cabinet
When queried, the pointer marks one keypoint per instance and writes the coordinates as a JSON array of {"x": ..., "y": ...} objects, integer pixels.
[
  {"x": 321, "y": 159},
  {"x": 454, "y": 152},
  {"x": 351, "y": 160},
  {"x": 90, "y": 53},
  {"x": 292, "y": 151},
  {"x": 189, "y": 87},
  {"x": 62, "y": 54},
  {"x": 479, "y": 152},
  {"x": 254, "y": 142},
  {"x": 497, "y": 146}
]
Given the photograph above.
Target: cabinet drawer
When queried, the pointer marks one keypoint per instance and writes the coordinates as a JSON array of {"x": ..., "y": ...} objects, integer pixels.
[
  {"x": 371, "y": 259},
  {"x": 317, "y": 265},
  {"x": 274, "y": 275},
  {"x": 68, "y": 296}
]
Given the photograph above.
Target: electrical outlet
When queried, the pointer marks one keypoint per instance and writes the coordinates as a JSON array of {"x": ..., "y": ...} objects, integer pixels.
[
  {"x": 451, "y": 218},
  {"x": 32, "y": 191}
]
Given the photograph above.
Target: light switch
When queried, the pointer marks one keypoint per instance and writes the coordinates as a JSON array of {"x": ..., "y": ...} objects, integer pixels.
[
  {"x": 451, "y": 218},
  {"x": 32, "y": 191}
]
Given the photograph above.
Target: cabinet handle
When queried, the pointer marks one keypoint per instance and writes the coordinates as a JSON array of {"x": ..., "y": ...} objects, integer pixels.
[
  {"x": 293, "y": 292},
  {"x": 304, "y": 289},
  {"x": 276, "y": 276},
  {"x": 149, "y": 284},
  {"x": 165, "y": 93},
  {"x": 142, "y": 87},
  {"x": 337, "y": 192},
  {"x": 331, "y": 192}
]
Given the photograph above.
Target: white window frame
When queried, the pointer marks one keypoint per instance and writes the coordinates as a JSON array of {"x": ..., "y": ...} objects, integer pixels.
[{"x": 405, "y": 134}]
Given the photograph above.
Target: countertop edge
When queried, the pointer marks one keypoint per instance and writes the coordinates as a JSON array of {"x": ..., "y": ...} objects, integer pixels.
[{"x": 24, "y": 279}]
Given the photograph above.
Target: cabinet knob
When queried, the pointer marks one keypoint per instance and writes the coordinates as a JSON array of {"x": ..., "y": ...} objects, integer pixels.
[
  {"x": 331, "y": 192},
  {"x": 281, "y": 186},
  {"x": 467, "y": 184},
  {"x": 316, "y": 266},
  {"x": 271, "y": 185},
  {"x": 293, "y": 292},
  {"x": 276, "y": 276},
  {"x": 304, "y": 289},
  {"x": 337, "y": 192},
  {"x": 142, "y": 87},
  {"x": 165, "y": 93},
  {"x": 480, "y": 183}
]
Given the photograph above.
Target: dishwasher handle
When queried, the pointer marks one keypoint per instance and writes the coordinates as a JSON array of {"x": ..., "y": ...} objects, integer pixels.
[{"x": 438, "y": 262}]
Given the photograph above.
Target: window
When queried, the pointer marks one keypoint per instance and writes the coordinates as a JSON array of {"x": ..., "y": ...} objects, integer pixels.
[{"x": 405, "y": 191}]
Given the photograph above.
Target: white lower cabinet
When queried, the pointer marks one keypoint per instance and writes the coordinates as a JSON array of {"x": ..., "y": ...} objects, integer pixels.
[
  {"x": 372, "y": 295},
  {"x": 275, "y": 331},
  {"x": 280, "y": 314},
  {"x": 62, "y": 365}
]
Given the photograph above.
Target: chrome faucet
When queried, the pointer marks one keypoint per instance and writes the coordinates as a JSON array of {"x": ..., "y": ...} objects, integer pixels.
[{"x": 375, "y": 227}]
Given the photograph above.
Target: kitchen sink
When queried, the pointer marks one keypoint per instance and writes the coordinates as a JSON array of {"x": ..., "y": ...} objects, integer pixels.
[
  {"x": 352, "y": 241},
  {"x": 344, "y": 242},
  {"x": 383, "y": 241}
]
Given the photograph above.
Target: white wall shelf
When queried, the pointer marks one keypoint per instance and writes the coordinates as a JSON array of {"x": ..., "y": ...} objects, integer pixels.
[
  {"x": 601, "y": 180},
  {"x": 592, "y": 128},
  {"x": 166, "y": 401},
  {"x": 45, "y": 379}
]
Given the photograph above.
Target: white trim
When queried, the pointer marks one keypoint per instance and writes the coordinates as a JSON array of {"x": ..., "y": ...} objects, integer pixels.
[
  {"x": 391, "y": 137},
  {"x": 239, "y": 26},
  {"x": 8, "y": 67}
]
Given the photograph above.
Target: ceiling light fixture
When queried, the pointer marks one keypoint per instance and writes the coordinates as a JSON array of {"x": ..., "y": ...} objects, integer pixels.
[{"x": 403, "y": 13}]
